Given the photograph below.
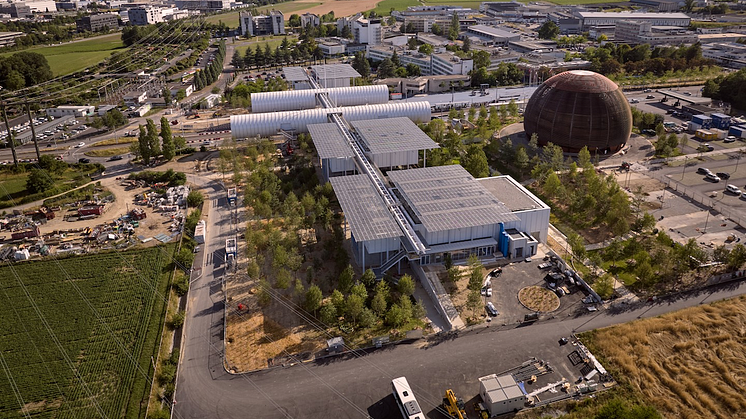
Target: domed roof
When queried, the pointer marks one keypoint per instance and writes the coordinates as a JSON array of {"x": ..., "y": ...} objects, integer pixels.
[
  {"x": 577, "y": 109},
  {"x": 581, "y": 81}
]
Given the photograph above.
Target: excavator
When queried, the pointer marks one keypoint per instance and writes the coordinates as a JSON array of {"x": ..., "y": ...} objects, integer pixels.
[{"x": 453, "y": 405}]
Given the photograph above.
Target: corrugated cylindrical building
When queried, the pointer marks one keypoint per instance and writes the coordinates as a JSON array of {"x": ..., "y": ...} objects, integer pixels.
[
  {"x": 266, "y": 124},
  {"x": 577, "y": 109},
  {"x": 290, "y": 100}
]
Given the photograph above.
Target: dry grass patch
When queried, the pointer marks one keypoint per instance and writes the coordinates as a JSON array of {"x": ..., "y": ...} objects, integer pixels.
[
  {"x": 689, "y": 364},
  {"x": 537, "y": 298}
]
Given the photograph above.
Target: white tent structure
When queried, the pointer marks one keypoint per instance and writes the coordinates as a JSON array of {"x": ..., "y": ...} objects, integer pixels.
[{"x": 290, "y": 100}]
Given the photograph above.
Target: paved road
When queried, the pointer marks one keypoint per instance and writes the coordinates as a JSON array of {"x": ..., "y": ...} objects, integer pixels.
[{"x": 359, "y": 386}]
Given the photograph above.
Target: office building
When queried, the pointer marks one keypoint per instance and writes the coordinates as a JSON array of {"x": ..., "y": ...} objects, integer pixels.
[
  {"x": 309, "y": 19},
  {"x": 490, "y": 35},
  {"x": 8, "y": 39},
  {"x": 272, "y": 24},
  {"x": 94, "y": 23},
  {"x": 730, "y": 54},
  {"x": 441, "y": 62},
  {"x": 141, "y": 16},
  {"x": 641, "y": 32},
  {"x": 591, "y": 19},
  {"x": 367, "y": 31},
  {"x": 71, "y": 110},
  {"x": 204, "y": 6},
  {"x": 16, "y": 10}
]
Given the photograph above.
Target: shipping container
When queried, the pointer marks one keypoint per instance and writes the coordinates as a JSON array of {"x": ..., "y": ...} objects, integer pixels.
[
  {"x": 91, "y": 210},
  {"x": 719, "y": 133},
  {"x": 702, "y": 120},
  {"x": 26, "y": 234},
  {"x": 705, "y": 135},
  {"x": 720, "y": 120},
  {"x": 739, "y": 132}
]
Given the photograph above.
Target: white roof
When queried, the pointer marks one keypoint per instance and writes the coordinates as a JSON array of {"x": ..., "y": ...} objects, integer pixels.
[{"x": 632, "y": 15}]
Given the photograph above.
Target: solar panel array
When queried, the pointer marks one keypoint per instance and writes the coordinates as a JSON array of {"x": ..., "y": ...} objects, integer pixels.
[
  {"x": 364, "y": 208},
  {"x": 448, "y": 197},
  {"x": 393, "y": 135},
  {"x": 334, "y": 71},
  {"x": 329, "y": 142},
  {"x": 295, "y": 73}
]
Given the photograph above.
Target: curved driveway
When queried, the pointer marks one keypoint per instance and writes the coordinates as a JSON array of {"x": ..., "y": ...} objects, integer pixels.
[{"x": 359, "y": 386}]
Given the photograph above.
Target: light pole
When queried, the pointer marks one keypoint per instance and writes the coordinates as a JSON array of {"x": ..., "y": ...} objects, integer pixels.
[
  {"x": 686, "y": 159},
  {"x": 706, "y": 220}
]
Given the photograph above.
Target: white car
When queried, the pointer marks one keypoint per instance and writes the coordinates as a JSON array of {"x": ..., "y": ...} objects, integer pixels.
[
  {"x": 733, "y": 189},
  {"x": 712, "y": 177},
  {"x": 729, "y": 139},
  {"x": 80, "y": 144}
]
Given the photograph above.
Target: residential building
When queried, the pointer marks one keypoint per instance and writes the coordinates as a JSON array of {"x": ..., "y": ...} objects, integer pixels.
[
  {"x": 204, "y": 6},
  {"x": 8, "y": 39},
  {"x": 272, "y": 24},
  {"x": 141, "y": 16},
  {"x": 367, "y": 31},
  {"x": 642, "y": 32},
  {"x": 426, "y": 23},
  {"x": 731, "y": 54},
  {"x": 441, "y": 62},
  {"x": 591, "y": 19},
  {"x": 72, "y": 110},
  {"x": 309, "y": 19},
  {"x": 94, "y": 23},
  {"x": 492, "y": 36}
]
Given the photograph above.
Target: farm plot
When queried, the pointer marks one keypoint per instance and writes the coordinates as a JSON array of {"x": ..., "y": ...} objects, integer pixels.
[{"x": 77, "y": 333}]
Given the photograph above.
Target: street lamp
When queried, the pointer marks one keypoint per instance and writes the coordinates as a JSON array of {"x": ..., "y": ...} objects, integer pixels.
[
  {"x": 686, "y": 159},
  {"x": 706, "y": 220}
]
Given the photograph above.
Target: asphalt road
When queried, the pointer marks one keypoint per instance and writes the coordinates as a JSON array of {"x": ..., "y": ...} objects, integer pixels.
[{"x": 359, "y": 386}]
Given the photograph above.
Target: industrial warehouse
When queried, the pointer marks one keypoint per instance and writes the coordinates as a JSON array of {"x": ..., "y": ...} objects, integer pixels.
[{"x": 396, "y": 207}]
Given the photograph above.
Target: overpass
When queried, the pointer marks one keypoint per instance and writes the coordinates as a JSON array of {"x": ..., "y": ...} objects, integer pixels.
[{"x": 692, "y": 100}]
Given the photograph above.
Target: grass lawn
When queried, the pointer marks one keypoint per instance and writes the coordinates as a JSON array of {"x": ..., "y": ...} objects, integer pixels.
[
  {"x": 273, "y": 41},
  {"x": 12, "y": 186},
  {"x": 287, "y": 8},
  {"x": 78, "y": 333},
  {"x": 75, "y": 56}
]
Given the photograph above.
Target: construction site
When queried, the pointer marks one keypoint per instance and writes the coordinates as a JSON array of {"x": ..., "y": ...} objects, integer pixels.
[{"x": 123, "y": 214}]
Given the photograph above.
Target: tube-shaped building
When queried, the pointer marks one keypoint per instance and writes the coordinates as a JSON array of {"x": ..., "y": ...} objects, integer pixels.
[
  {"x": 291, "y": 100},
  {"x": 266, "y": 124}
]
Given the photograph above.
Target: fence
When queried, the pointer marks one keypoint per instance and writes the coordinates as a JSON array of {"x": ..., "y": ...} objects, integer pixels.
[{"x": 698, "y": 197}]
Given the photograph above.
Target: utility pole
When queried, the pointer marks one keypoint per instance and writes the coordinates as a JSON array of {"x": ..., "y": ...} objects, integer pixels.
[
  {"x": 11, "y": 141},
  {"x": 33, "y": 132}
]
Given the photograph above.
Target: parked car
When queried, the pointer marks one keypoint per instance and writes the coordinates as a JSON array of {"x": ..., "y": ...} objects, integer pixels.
[
  {"x": 117, "y": 157},
  {"x": 729, "y": 139},
  {"x": 491, "y": 309},
  {"x": 708, "y": 146},
  {"x": 545, "y": 265},
  {"x": 723, "y": 175},
  {"x": 712, "y": 177},
  {"x": 649, "y": 97},
  {"x": 733, "y": 189},
  {"x": 84, "y": 160},
  {"x": 80, "y": 144}
]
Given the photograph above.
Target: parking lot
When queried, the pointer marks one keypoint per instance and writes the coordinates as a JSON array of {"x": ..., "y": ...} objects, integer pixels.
[{"x": 518, "y": 275}]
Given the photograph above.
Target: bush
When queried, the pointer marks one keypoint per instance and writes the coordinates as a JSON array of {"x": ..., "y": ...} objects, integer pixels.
[
  {"x": 159, "y": 413},
  {"x": 177, "y": 320},
  {"x": 167, "y": 374},
  {"x": 170, "y": 176},
  {"x": 180, "y": 284},
  {"x": 195, "y": 199}
]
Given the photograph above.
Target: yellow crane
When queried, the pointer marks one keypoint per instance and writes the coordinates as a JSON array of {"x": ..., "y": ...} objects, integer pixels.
[{"x": 454, "y": 405}]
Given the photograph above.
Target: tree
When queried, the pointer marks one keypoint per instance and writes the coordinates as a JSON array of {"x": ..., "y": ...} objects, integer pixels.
[
  {"x": 413, "y": 70},
  {"x": 549, "y": 30},
  {"x": 294, "y": 20},
  {"x": 38, "y": 180},
  {"x": 466, "y": 47},
  {"x": 475, "y": 273},
  {"x": 385, "y": 69},
  {"x": 169, "y": 148},
  {"x": 195, "y": 199},
  {"x": 689, "y": 5},
  {"x": 152, "y": 136},
  {"x": 453, "y": 30},
  {"x": 328, "y": 314},
  {"x": 436, "y": 29},
  {"x": 395, "y": 60},
  {"x": 361, "y": 64},
  {"x": 379, "y": 304},
  {"x": 166, "y": 93},
  {"x": 237, "y": 60},
  {"x": 144, "y": 145},
  {"x": 369, "y": 278},
  {"x": 521, "y": 159},
  {"x": 475, "y": 161},
  {"x": 24, "y": 69},
  {"x": 360, "y": 290},
  {"x": 338, "y": 301},
  {"x": 346, "y": 279},
  {"x": 406, "y": 285},
  {"x": 367, "y": 318},
  {"x": 395, "y": 316},
  {"x": 353, "y": 307},
  {"x": 737, "y": 256},
  {"x": 474, "y": 301},
  {"x": 604, "y": 286},
  {"x": 426, "y": 49}
]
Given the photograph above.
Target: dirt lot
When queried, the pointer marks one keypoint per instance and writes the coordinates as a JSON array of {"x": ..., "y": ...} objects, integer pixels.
[
  {"x": 340, "y": 7},
  {"x": 689, "y": 364}
]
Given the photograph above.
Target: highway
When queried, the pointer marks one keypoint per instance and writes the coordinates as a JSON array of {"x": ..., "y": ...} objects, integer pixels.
[{"x": 359, "y": 387}]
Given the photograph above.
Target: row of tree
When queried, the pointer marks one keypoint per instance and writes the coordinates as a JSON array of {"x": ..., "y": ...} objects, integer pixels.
[
  {"x": 729, "y": 88},
  {"x": 212, "y": 70},
  {"x": 642, "y": 59},
  {"x": 153, "y": 143},
  {"x": 24, "y": 69}
]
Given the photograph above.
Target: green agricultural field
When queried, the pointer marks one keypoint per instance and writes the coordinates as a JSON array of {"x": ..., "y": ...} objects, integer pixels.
[
  {"x": 287, "y": 8},
  {"x": 13, "y": 185},
  {"x": 75, "y": 56},
  {"x": 77, "y": 333},
  {"x": 384, "y": 7}
]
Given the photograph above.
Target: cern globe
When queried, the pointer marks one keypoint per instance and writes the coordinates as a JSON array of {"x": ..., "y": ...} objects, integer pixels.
[{"x": 579, "y": 108}]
